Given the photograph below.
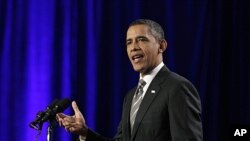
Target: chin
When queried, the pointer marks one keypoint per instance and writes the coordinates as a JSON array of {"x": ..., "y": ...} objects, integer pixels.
[{"x": 138, "y": 69}]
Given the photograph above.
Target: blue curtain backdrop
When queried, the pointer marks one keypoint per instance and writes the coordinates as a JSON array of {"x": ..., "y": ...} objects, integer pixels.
[{"x": 76, "y": 49}]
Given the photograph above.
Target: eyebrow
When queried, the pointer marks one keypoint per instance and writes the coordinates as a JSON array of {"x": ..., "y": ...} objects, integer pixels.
[{"x": 140, "y": 36}]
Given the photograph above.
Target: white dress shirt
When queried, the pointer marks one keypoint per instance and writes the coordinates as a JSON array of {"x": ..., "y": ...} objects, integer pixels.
[{"x": 149, "y": 77}]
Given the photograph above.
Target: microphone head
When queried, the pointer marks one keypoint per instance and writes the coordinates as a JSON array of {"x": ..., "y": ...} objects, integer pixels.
[
  {"x": 62, "y": 105},
  {"x": 53, "y": 104},
  {"x": 34, "y": 124}
]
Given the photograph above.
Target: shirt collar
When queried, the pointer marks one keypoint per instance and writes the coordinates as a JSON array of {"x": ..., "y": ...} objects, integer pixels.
[{"x": 149, "y": 77}]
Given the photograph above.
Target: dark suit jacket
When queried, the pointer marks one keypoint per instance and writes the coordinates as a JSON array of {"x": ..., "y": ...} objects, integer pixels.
[{"x": 170, "y": 111}]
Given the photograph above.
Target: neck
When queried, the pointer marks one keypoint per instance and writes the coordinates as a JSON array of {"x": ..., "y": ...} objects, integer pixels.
[{"x": 149, "y": 70}]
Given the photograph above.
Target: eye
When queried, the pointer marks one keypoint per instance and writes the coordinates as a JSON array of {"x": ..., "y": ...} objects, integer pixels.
[
  {"x": 128, "y": 42},
  {"x": 142, "y": 39}
]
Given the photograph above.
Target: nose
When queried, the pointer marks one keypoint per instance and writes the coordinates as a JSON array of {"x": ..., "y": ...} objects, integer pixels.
[{"x": 135, "y": 47}]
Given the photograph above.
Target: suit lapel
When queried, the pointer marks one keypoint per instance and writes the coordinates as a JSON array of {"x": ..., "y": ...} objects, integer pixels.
[{"x": 149, "y": 97}]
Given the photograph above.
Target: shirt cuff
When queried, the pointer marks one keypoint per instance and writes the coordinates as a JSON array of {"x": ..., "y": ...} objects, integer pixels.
[{"x": 82, "y": 138}]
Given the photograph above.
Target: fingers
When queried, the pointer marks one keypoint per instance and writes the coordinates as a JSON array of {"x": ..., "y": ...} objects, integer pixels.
[
  {"x": 61, "y": 115},
  {"x": 66, "y": 122},
  {"x": 63, "y": 119},
  {"x": 71, "y": 126},
  {"x": 70, "y": 129},
  {"x": 59, "y": 118}
]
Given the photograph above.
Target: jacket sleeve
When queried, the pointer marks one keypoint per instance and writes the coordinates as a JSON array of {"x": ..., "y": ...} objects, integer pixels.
[
  {"x": 185, "y": 113},
  {"x": 93, "y": 136}
]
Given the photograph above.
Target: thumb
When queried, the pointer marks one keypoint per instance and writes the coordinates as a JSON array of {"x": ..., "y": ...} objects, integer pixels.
[{"x": 76, "y": 109}]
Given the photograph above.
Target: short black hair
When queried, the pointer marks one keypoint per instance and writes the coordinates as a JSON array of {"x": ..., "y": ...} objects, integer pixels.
[{"x": 155, "y": 28}]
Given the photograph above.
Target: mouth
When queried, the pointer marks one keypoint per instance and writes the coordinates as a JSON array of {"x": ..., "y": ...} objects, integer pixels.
[{"x": 137, "y": 58}]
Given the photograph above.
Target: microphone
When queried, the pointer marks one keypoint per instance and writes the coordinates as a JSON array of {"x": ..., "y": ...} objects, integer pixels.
[
  {"x": 41, "y": 114},
  {"x": 55, "y": 107},
  {"x": 58, "y": 108}
]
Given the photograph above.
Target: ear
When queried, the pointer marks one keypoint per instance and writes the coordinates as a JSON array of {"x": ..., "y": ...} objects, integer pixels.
[{"x": 163, "y": 45}]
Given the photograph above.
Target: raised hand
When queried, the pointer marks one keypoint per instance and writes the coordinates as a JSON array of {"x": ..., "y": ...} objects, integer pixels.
[{"x": 74, "y": 124}]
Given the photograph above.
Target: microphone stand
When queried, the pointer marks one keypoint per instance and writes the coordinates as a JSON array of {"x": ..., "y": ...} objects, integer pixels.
[{"x": 50, "y": 129}]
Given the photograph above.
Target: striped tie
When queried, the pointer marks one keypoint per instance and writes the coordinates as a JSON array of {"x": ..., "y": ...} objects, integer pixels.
[{"x": 138, "y": 96}]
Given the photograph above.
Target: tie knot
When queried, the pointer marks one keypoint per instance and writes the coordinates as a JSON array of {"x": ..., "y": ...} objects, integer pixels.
[
  {"x": 139, "y": 90},
  {"x": 141, "y": 84}
]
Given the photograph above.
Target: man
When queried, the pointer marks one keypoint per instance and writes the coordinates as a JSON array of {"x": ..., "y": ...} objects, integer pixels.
[{"x": 164, "y": 106}]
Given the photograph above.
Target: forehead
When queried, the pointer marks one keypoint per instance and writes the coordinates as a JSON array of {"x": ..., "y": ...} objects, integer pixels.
[{"x": 138, "y": 30}]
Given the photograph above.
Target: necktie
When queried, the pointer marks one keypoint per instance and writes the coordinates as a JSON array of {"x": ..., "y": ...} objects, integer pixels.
[{"x": 136, "y": 102}]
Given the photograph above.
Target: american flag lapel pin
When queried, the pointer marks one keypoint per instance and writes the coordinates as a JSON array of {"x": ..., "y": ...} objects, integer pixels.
[{"x": 152, "y": 91}]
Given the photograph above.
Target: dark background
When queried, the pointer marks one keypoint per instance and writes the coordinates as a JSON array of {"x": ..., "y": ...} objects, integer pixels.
[{"x": 76, "y": 49}]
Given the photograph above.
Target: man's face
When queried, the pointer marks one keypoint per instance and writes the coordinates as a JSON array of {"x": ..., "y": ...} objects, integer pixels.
[{"x": 142, "y": 49}]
